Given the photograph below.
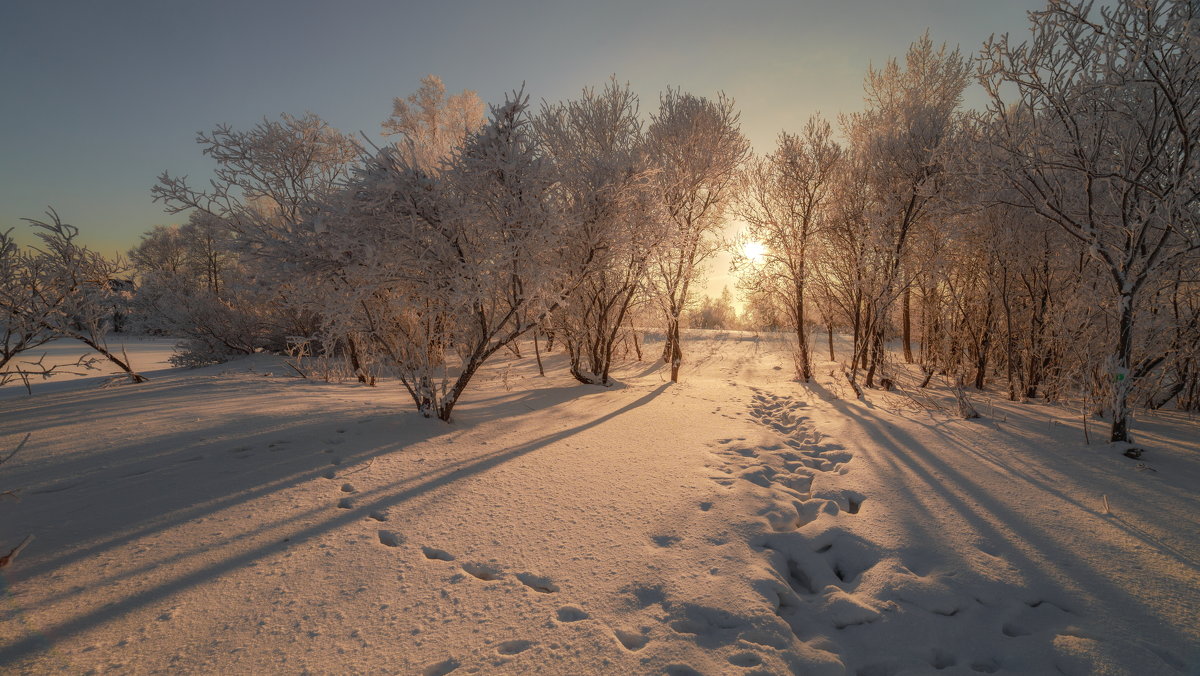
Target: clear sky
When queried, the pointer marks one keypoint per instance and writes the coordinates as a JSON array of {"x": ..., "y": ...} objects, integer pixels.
[{"x": 98, "y": 98}]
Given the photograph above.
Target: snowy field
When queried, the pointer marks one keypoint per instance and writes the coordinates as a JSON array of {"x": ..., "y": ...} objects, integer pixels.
[
  {"x": 239, "y": 519},
  {"x": 148, "y": 356}
]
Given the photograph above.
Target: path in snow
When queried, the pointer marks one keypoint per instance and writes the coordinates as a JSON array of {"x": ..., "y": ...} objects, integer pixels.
[{"x": 234, "y": 520}]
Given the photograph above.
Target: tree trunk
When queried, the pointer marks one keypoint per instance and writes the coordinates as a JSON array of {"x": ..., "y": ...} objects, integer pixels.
[
  {"x": 906, "y": 324},
  {"x": 876, "y": 356},
  {"x": 537, "y": 352},
  {"x": 676, "y": 356},
  {"x": 1121, "y": 371},
  {"x": 805, "y": 363},
  {"x": 133, "y": 376},
  {"x": 355, "y": 361}
]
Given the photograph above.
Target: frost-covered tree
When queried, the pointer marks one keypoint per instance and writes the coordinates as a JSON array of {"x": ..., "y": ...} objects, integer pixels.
[
  {"x": 266, "y": 180},
  {"x": 594, "y": 144},
  {"x": 714, "y": 313},
  {"x": 22, "y": 320},
  {"x": 784, "y": 203},
  {"x": 58, "y": 288},
  {"x": 430, "y": 124},
  {"x": 697, "y": 147},
  {"x": 160, "y": 250},
  {"x": 438, "y": 271},
  {"x": 247, "y": 232},
  {"x": 912, "y": 116},
  {"x": 1095, "y": 126}
]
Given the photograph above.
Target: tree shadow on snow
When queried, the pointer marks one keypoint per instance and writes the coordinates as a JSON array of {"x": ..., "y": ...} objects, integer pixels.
[
  {"x": 165, "y": 500},
  {"x": 928, "y": 480}
]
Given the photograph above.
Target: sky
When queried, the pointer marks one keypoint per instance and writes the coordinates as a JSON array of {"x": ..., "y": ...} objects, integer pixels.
[{"x": 98, "y": 98}]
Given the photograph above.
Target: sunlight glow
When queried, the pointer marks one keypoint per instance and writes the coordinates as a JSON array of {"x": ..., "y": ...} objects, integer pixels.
[{"x": 755, "y": 251}]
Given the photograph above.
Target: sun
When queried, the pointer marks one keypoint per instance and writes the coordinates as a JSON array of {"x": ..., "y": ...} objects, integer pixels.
[{"x": 754, "y": 250}]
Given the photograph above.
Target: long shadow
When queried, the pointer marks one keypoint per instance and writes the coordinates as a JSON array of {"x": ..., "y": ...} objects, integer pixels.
[
  {"x": 61, "y": 486},
  {"x": 265, "y": 526},
  {"x": 159, "y": 509},
  {"x": 30, "y": 645},
  {"x": 920, "y": 462},
  {"x": 1047, "y": 485}
]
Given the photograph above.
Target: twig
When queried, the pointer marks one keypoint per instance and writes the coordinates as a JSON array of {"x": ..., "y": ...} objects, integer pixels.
[
  {"x": 361, "y": 469},
  {"x": 1106, "y": 509},
  {"x": 16, "y": 450},
  {"x": 12, "y": 555},
  {"x": 293, "y": 367}
]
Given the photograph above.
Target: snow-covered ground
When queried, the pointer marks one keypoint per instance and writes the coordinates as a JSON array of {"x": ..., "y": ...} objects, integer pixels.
[
  {"x": 238, "y": 519},
  {"x": 148, "y": 355}
]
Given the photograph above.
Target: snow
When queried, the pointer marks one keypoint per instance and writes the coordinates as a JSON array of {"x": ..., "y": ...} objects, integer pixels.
[
  {"x": 149, "y": 356},
  {"x": 238, "y": 519}
]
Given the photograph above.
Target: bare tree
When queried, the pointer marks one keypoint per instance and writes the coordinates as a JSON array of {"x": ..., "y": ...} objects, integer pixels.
[
  {"x": 783, "y": 205},
  {"x": 698, "y": 147},
  {"x": 58, "y": 289},
  {"x": 595, "y": 146},
  {"x": 267, "y": 179},
  {"x": 431, "y": 124},
  {"x": 268, "y": 182},
  {"x": 1095, "y": 126},
  {"x": 911, "y": 117},
  {"x": 162, "y": 249},
  {"x": 442, "y": 270},
  {"x": 22, "y": 321}
]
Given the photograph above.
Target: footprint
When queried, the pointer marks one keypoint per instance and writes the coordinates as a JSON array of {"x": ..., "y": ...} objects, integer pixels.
[
  {"x": 646, "y": 596},
  {"x": 942, "y": 660},
  {"x": 1014, "y": 630},
  {"x": 345, "y": 503},
  {"x": 665, "y": 540},
  {"x": 571, "y": 614},
  {"x": 836, "y": 456},
  {"x": 537, "y": 583},
  {"x": 441, "y": 668},
  {"x": 513, "y": 647},
  {"x": 705, "y": 506},
  {"x": 482, "y": 571},
  {"x": 798, "y": 579},
  {"x": 745, "y": 660},
  {"x": 348, "y": 488},
  {"x": 391, "y": 539},
  {"x": 330, "y": 474},
  {"x": 378, "y": 516},
  {"x": 801, "y": 483},
  {"x": 632, "y": 642},
  {"x": 438, "y": 554},
  {"x": 854, "y": 503}
]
